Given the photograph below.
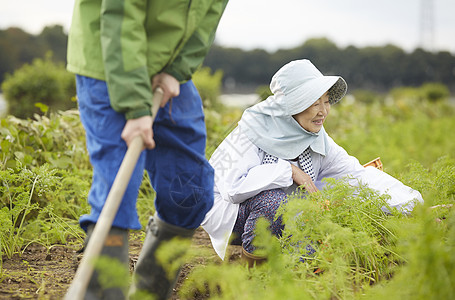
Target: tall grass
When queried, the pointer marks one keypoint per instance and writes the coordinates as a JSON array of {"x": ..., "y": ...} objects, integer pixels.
[{"x": 401, "y": 132}]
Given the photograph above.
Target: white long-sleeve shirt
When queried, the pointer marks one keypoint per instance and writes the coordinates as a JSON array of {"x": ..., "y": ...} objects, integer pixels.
[{"x": 239, "y": 175}]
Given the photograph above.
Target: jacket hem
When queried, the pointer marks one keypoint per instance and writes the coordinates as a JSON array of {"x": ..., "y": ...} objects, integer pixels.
[{"x": 85, "y": 72}]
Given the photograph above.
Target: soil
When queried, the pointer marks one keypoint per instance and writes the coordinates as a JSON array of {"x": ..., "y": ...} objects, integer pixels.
[{"x": 39, "y": 273}]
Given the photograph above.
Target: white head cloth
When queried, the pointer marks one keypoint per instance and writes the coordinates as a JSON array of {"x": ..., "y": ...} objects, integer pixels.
[{"x": 295, "y": 87}]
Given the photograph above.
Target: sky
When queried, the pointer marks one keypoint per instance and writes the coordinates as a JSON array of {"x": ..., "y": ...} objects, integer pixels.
[{"x": 283, "y": 24}]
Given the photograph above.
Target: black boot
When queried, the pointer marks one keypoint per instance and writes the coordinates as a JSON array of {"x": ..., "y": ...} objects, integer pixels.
[
  {"x": 149, "y": 276},
  {"x": 115, "y": 248}
]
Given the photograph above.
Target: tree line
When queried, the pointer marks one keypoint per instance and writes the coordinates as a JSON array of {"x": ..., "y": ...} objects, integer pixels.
[
  {"x": 18, "y": 47},
  {"x": 374, "y": 68}
]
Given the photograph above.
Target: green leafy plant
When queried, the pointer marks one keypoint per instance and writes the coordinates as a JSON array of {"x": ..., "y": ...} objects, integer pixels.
[
  {"x": 57, "y": 139},
  {"x": 348, "y": 229},
  {"x": 18, "y": 190},
  {"x": 426, "y": 242},
  {"x": 45, "y": 177}
]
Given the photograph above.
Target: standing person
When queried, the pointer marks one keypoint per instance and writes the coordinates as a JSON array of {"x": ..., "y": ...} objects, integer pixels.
[
  {"x": 278, "y": 145},
  {"x": 120, "y": 52}
]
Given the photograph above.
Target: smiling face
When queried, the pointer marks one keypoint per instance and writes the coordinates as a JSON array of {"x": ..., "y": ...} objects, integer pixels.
[{"x": 312, "y": 118}]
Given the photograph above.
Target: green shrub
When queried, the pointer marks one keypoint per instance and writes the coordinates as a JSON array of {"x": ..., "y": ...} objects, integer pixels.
[
  {"x": 219, "y": 124},
  {"x": 432, "y": 91},
  {"x": 209, "y": 87},
  {"x": 406, "y": 93},
  {"x": 41, "y": 82},
  {"x": 435, "y": 91},
  {"x": 348, "y": 230},
  {"x": 353, "y": 239}
]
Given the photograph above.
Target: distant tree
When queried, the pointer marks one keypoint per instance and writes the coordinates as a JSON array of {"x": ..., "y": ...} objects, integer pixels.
[
  {"x": 378, "y": 68},
  {"x": 16, "y": 48},
  {"x": 374, "y": 68},
  {"x": 381, "y": 67},
  {"x": 55, "y": 40},
  {"x": 348, "y": 65},
  {"x": 322, "y": 52},
  {"x": 417, "y": 68},
  {"x": 226, "y": 59},
  {"x": 444, "y": 63}
]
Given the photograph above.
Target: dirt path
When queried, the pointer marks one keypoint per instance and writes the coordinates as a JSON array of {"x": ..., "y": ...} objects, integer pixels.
[{"x": 42, "y": 274}]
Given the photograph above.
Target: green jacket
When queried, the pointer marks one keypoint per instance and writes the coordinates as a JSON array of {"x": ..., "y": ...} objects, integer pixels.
[{"x": 127, "y": 42}]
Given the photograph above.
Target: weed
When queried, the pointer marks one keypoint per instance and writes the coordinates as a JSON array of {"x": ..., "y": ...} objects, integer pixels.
[{"x": 18, "y": 190}]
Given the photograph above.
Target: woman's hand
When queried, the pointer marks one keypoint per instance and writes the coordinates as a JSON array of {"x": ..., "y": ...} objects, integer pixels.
[{"x": 303, "y": 179}]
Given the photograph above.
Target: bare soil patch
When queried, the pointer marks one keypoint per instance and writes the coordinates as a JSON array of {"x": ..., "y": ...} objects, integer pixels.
[{"x": 40, "y": 273}]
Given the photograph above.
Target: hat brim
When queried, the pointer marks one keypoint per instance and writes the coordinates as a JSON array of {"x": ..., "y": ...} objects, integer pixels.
[
  {"x": 305, "y": 95},
  {"x": 338, "y": 91}
]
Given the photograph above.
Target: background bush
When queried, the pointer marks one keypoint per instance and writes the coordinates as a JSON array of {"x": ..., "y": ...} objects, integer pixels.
[
  {"x": 43, "y": 81},
  {"x": 209, "y": 87}
]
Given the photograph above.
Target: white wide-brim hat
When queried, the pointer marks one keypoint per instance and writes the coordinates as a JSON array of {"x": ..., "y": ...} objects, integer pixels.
[{"x": 299, "y": 84}]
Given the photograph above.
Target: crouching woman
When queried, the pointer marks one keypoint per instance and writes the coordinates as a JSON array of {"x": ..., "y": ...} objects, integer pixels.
[{"x": 279, "y": 145}]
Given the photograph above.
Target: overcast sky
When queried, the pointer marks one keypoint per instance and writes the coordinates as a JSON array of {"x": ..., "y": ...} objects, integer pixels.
[{"x": 282, "y": 24}]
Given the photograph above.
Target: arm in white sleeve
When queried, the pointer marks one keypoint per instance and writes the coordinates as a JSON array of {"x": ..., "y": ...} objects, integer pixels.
[
  {"x": 260, "y": 178},
  {"x": 402, "y": 197},
  {"x": 239, "y": 174},
  {"x": 338, "y": 164}
]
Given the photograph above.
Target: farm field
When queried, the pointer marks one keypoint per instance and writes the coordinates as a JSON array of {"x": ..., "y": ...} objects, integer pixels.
[{"x": 364, "y": 254}]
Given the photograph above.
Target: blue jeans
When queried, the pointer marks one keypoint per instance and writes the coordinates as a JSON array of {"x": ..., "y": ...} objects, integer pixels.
[{"x": 179, "y": 172}]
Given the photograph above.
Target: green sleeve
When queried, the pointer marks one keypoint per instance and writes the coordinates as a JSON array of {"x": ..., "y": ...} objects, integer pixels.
[
  {"x": 124, "y": 46},
  {"x": 194, "y": 51}
]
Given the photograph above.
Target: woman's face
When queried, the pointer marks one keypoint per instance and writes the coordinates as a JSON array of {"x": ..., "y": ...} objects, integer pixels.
[{"x": 312, "y": 118}]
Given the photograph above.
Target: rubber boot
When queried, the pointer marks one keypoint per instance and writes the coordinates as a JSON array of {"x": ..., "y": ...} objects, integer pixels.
[
  {"x": 252, "y": 259},
  {"x": 115, "y": 247},
  {"x": 149, "y": 276}
]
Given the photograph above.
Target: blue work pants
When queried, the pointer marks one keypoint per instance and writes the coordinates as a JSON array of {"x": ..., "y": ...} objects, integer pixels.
[{"x": 179, "y": 172}]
